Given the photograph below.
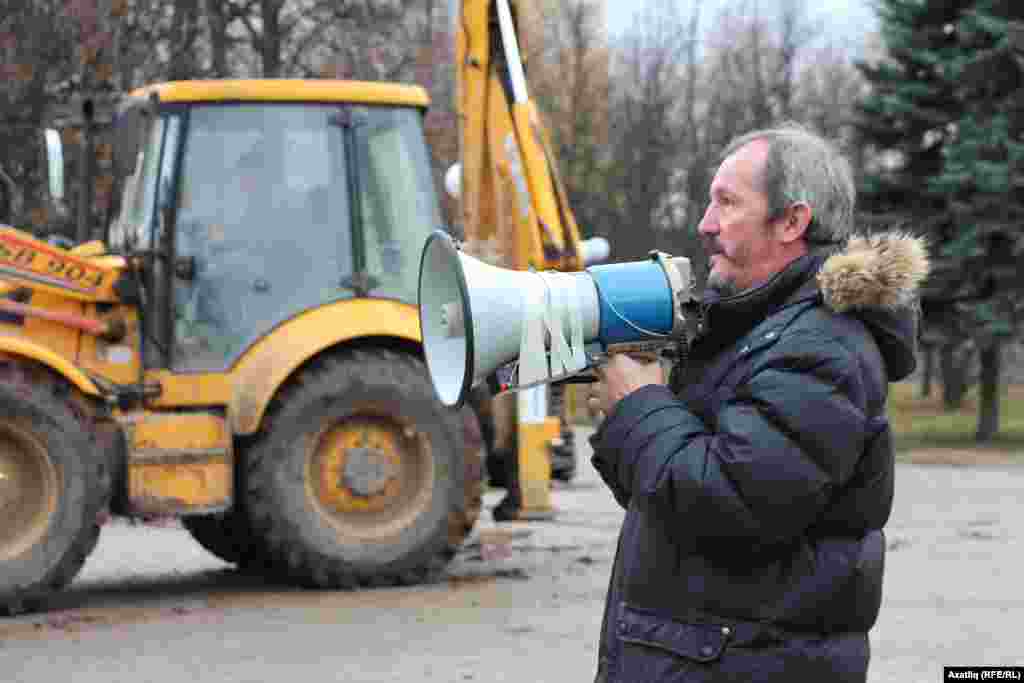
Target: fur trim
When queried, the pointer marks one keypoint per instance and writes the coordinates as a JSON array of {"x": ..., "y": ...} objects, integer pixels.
[{"x": 877, "y": 271}]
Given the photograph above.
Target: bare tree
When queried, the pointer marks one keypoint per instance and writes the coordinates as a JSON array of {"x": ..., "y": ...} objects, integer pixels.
[
  {"x": 183, "y": 40},
  {"x": 36, "y": 41},
  {"x": 569, "y": 75},
  {"x": 361, "y": 39},
  {"x": 646, "y": 140},
  {"x": 828, "y": 87}
]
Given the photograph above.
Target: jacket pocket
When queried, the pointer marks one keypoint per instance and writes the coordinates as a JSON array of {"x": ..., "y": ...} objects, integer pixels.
[{"x": 654, "y": 647}]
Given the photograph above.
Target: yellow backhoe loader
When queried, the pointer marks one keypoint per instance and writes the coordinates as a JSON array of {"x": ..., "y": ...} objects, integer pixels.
[{"x": 243, "y": 351}]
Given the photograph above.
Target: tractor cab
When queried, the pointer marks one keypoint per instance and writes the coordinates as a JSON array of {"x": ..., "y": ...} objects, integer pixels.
[{"x": 258, "y": 200}]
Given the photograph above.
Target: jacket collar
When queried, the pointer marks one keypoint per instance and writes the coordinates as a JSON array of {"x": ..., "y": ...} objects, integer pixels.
[
  {"x": 734, "y": 315},
  {"x": 874, "y": 278}
]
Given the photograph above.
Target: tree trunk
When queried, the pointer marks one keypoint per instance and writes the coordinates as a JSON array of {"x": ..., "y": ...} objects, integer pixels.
[
  {"x": 954, "y": 377},
  {"x": 988, "y": 410},
  {"x": 83, "y": 229},
  {"x": 928, "y": 371},
  {"x": 183, "y": 35},
  {"x": 270, "y": 40},
  {"x": 218, "y": 26}
]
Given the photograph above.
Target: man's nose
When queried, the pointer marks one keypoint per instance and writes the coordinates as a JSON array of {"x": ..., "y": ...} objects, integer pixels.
[{"x": 708, "y": 223}]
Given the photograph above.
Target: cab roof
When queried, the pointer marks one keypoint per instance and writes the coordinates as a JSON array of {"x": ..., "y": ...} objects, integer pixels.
[{"x": 286, "y": 90}]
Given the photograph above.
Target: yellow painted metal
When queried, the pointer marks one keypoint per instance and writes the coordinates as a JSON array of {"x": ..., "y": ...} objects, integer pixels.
[
  {"x": 374, "y": 438},
  {"x": 48, "y": 268},
  {"x": 261, "y": 371},
  {"x": 511, "y": 189},
  {"x": 175, "y": 488},
  {"x": 32, "y": 350},
  {"x": 472, "y": 59},
  {"x": 555, "y": 222},
  {"x": 370, "y": 475},
  {"x": 60, "y": 339},
  {"x": 178, "y": 390},
  {"x": 535, "y": 466},
  {"x": 178, "y": 462},
  {"x": 117, "y": 361},
  {"x": 173, "y": 432},
  {"x": 29, "y": 488},
  {"x": 286, "y": 90}
]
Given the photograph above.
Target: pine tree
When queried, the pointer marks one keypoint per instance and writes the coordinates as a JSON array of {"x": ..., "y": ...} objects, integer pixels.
[
  {"x": 904, "y": 124},
  {"x": 983, "y": 176}
]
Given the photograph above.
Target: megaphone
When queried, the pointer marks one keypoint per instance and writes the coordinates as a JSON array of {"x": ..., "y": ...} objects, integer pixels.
[{"x": 478, "y": 320}]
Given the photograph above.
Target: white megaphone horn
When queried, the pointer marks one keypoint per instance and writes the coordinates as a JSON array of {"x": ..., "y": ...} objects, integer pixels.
[{"x": 479, "y": 321}]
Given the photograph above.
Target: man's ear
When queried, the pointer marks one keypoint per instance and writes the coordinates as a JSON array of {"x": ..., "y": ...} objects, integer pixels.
[{"x": 794, "y": 221}]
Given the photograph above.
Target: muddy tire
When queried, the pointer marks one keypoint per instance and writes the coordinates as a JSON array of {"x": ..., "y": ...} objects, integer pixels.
[
  {"x": 563, "y": 458},
  {"x": 54, "y": 484},
  {"x": 228, "y": 536},
  {"x": 360, "y": 476}
]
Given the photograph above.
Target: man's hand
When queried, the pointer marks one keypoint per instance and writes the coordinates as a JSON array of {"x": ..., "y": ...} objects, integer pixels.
[{"x": 621, "y": 376}]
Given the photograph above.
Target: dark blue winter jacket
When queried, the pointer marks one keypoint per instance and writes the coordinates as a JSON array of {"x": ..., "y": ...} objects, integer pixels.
[{"x": 756, "y": 492}]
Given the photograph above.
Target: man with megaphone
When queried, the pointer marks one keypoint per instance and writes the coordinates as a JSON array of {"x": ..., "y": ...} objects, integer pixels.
[{"x": 757, "y": 483}]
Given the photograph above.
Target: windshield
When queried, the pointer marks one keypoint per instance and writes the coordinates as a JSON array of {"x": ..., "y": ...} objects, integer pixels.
[{"x": 265, "y": 213}]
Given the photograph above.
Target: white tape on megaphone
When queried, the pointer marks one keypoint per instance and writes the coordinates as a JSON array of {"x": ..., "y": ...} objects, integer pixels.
[{"x": 476, "y": 318}]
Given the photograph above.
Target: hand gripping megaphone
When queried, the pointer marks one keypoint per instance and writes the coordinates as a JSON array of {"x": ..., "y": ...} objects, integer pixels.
[{"x": 515, "y": 329}]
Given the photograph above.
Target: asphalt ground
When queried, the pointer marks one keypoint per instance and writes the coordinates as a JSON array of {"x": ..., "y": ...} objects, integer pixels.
[{"x": 521, "y": 602}]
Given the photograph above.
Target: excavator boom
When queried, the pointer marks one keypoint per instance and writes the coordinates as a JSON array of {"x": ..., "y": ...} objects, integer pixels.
[
  {"x": 511, "y": 192},
  {"x": 514, "y": 214}
]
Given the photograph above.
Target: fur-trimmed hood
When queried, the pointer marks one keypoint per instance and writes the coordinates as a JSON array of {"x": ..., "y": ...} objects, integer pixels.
[
  {"x": 881, "y": 271},
  {"x": 877, "y": 279}
]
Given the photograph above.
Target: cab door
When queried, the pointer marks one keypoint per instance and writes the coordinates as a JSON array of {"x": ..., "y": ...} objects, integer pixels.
[{"x": 263, "y": 226}]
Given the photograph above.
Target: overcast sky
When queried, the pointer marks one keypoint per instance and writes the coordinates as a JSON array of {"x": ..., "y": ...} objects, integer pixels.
[{"x": 845, "y": 20}]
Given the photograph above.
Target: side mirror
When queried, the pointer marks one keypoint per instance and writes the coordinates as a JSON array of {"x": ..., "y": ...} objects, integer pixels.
[{"x": 55, "y": 164}]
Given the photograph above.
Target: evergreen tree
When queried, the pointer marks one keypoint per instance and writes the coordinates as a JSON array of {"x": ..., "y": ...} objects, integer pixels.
[
  {"x": 983, "y": 175},
  {"x": 905, "y": 119},
  {"x": 904, "y": 125}
]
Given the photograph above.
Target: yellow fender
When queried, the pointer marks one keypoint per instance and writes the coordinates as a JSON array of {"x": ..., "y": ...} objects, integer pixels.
[
  {"x": 259, "y": 374},
  {"x": 23, "y": 348}
]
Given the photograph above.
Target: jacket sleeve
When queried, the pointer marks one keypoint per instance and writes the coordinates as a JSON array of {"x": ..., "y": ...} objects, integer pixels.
[{"x": 790, "y": 434}]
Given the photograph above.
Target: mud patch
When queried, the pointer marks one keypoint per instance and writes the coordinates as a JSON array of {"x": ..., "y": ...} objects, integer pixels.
[
  {"x": 959, "y": 457},
  {"x": 74, "y": 623}
]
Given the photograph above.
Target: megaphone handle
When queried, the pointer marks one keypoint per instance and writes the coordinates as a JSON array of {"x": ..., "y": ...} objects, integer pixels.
[{"x": 582, "y": 378}]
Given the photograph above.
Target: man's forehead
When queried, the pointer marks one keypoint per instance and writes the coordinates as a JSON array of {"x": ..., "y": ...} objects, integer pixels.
[{"x": 742, "y": 168}]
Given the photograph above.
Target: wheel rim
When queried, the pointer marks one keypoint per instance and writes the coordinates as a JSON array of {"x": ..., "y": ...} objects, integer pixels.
[
  {"x": 29, "y": 486},
  {"x": 370, "y": 476}
]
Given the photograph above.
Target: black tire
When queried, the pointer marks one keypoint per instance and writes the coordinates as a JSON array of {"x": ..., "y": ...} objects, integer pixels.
[
  {"x": 56, "y": 485},
  {"x": 360, "y": 476},
  {"x": 494, "y": 460},
  {"x": 563, "y": 458},
  {"x": 226, "y": 535}
]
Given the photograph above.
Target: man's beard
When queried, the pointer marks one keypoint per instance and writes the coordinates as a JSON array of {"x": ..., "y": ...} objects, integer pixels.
[
  {"x": 722, "y": 285},
  {"x": 717, "y": 282}
]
